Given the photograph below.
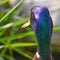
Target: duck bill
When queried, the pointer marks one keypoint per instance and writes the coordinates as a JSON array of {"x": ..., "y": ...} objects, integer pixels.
[{"x": 27, "y": 24}]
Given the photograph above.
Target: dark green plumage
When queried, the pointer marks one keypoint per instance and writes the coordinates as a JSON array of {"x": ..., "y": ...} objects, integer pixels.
[{"x": 42, "y": 25}]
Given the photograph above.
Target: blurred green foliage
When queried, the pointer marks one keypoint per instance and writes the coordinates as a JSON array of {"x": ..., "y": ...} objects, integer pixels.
[
  {"x": 3, "y": 2},
  {"x": 8, "y": 32}
]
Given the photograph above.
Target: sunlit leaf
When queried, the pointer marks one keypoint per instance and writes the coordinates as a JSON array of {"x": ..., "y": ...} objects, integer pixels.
[
  {"x": 18, "y": 45},
  {"x": 23, "y": 44},
  {"x": 56, "y": 29},
  {"x": 26, "y": 25}
]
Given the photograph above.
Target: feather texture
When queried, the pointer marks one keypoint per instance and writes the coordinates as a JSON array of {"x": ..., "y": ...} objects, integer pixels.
[{"x": 42, "y": 25}]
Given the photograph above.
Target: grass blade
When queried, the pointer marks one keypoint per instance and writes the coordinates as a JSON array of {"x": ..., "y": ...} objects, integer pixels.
[
  {"x": 22, "y": 53},
  {"x": 23, "y": 44},
  {"x": 9, "y": 57},
  {"x": 56, "y": 29},
  {"x": 18, "y": 45},
  {"x": 14, "y": 24},
  {"x": 13, "y": 37},
  {"x": 19, "y": 4}
]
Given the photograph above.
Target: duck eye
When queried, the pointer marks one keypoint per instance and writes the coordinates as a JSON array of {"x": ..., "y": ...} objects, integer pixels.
[{"x": 32, "y": 17}]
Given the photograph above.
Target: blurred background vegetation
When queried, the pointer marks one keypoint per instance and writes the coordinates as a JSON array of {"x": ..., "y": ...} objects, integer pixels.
[{"x": 17, "y": 43}]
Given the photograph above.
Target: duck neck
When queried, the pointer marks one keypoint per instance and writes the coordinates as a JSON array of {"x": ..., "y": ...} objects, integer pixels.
[{"x": 43, "y": 47}]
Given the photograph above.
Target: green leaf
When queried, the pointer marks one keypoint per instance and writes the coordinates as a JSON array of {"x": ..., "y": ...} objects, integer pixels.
[
  {"x": 14, "y": 8},
  {"x": 22, "y": 53},
  {"x": 18, "y": 45},
  {"x": 56, "y": 29},
  {"x": 6, "y": 20},
  {"x": 3, "y": 2},
  {"x": 2, "y": 46},
  {"x": 14, "y": 24},
  {"x": 3, "y": 51},
  {"x": 23, "y": 44},
  {"x": 13, "y": 37}
]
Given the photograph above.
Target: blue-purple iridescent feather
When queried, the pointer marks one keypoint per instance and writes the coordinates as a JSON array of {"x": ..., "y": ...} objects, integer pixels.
[{"x": 42, "y": 25}]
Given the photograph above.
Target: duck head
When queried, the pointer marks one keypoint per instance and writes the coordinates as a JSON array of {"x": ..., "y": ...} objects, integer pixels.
[{"x": 42, "y": 25}]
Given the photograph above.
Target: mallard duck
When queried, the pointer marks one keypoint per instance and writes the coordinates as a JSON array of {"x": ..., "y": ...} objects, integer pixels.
[{"x": 42, "y": 25}]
